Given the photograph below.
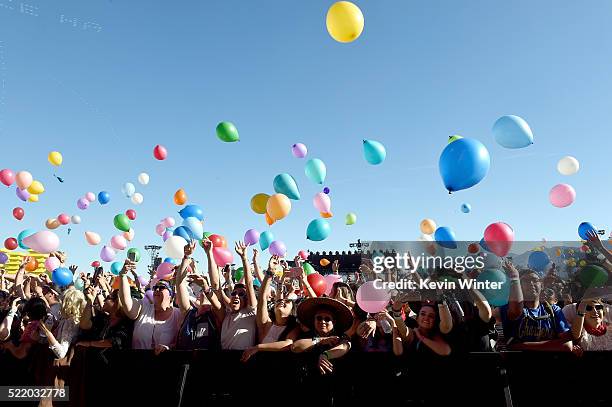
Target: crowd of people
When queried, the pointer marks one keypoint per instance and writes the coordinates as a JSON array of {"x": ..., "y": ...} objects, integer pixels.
[{"x": 274, "y": 309}]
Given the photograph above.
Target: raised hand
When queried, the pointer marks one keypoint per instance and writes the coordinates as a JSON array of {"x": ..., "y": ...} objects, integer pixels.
[
  {"x": 207, "y": 245},
  {"x": 241, "y": 249},
  {"x": 255, "y": 254},
  {"x": 189, "y": 249},
  {"x": 273, "y": 263},
  {"x": 73, "y": 268},
  {"x": 510, "y": 269},
  {"x": 128, "y": 266}
]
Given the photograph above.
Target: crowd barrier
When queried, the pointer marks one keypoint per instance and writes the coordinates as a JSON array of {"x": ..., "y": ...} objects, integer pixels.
[{"x": 202, "y": 378}]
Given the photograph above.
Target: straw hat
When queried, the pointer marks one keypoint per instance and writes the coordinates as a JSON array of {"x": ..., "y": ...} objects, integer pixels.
[{"x": 343, "y": 318}]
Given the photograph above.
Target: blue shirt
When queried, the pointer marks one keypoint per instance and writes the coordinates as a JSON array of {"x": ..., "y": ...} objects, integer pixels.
[{"x": 534, "y": 325}]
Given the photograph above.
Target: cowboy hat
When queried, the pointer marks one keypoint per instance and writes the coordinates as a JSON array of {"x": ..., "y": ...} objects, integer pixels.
[{"x": 343, "y": 318}]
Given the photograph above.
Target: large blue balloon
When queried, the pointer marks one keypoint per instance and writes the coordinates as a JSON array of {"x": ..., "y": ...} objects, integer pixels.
[
  {"x": 22, "y": 235},
  {"x": 463, "y": 164},
  {"x": 445, "y": 237},
  {"x": 194, "y": 211},
  {"x": 104, "y": 197},
  {"x": 183, "y": 232},
  {"x": 61, "y": 276},
  {"x": 318, "y": 230},
  {"x": 315, "y": 170},
  {"x": 584, "y": 228},
  {"x": 285, "y": 184},
  {"x": 194, "y": 227},
  {"x": 374, "y": 152},
  {"x": 495, "y": 297},
  {"x": 512, "y": 132},
  {"x": 538, "y": 261},
  {"x": 265, "y": 238}
]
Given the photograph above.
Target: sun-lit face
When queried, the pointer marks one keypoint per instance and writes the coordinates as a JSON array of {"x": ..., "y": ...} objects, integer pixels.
[
  {"x": 426, "y": 318},
  {"x": 238, "y": 299},
  {"x": 323, "y": 323},
  {"x": 161, "y": 297},
  {"x": 594, "y": 313},
  {"x": 531, "y": 285},
  {"x": 283, "y": 308}
]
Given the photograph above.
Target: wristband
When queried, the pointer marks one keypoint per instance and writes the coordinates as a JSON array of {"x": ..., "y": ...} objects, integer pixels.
[
  {"x": 11, "y": 313},
  {"x": 316, "y": 340}
]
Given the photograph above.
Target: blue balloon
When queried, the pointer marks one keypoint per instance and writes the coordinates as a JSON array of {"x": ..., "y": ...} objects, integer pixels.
[
  {"x": 104, "y": 197},
  {"x": 318, "y": 230},
  {"x": 62, "y": 276},
  {"x": 445, "y": 237},
  {"x": 265, "y": 238},
  {"x": 22, "y": 235},
  {"x": 463, "y": 164},
  {"x": 170, "y": 260},
  {"x": 512, "y": 132},
  {"x": 484, "y": 246},
  {"x": 374, "y": 152},
  {"x": 194, "y": 227},
  {"x": 285, "y": 184},
  {"x": 584, "y": 228},
  {"x": 192, "y": 211},
  {"x": 128, "y": 189},
  {"x": 256, "y": 283},
  {"x": 183, "y": 232},
  {"x": 79, "y": 284},
  {"x": 538, "y": 261},
  {"x": 315, "y": 170},
  {"x": 495, "y": 297},
  {"x": 116, "y": 268},
  {"x": 466, "y": 208}
]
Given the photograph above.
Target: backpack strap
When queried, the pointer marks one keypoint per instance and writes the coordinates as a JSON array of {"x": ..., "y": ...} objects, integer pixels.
[{"x": 551, "y": 313}]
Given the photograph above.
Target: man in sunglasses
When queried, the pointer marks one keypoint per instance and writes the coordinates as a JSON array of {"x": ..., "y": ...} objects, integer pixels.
[{"x": 528, "y": 323}]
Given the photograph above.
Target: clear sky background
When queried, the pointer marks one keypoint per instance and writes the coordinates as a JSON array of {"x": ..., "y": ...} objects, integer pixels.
[{"x": 160, "y": 72}]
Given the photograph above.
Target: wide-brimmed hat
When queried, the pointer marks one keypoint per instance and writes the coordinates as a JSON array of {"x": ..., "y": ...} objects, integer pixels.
[{"x": 343, "y": 318}]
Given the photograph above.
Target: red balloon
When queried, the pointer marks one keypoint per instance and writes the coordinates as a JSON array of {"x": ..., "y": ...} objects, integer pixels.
[
  {"x": 499, "y": 237},
  {"x": 217, "y": 241},
  {"x": 95, "y": 263},
  {"x": 131, "y": 214},
  {"x": 63, "y": 219},
  {"x": 7, "y": 177},
  {"x": 303, "y": 254},
  {"x": 160, "y": 152},
  {"x": 18, "y": 213},
  {"x": 473, "y": 248},
  {"x": 10, "y": 243},
  {"x": 318, "y": 283}
]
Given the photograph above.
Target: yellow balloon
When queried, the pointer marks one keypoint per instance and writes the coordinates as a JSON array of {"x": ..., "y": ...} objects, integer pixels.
[
  {"x": 344, "y": 21},
  {"x": 55, "y": 158},
  {"x": 278, "y": 206},
  {"x": 33, "y": 198},
  {"x": 428, "y": 226},
  {"x": 583, "y": 263},
  {"x": 36, "y": 188},
  {"x": 324, "y": 262},
  {"x": 258, "y": 203}
]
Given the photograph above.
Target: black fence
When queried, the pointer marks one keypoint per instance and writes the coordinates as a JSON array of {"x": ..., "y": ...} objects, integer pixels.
[{"x": 204, "y": 378}]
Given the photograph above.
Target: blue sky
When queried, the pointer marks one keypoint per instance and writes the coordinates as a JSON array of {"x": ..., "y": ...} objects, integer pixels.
[{"x": 163, "y": 73}]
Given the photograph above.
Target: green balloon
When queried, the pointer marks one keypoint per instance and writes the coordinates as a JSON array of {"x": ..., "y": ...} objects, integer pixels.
[
  {"x": 308, "y": 268},
  {"x": 453, "y": 138},
  {"x": 207, "y": 234},
  {"x": 122, "y": 222},
  {"x": 593, "y": 276},
  {"x": 238, "y": 274},
  {"x": 351, "y": 218},
  {"x": 227, "y": 132},
  {"x": 136, "y": 254}
]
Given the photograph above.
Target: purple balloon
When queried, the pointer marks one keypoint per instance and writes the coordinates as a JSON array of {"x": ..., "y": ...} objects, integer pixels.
[
  {"x": 251, "y": 237},
  {"x": 107, "y": 254},
  {"x": 22, "y": 194},
  {"x": 299, "y": 150},
  {"x": 326, "y": 190},
  {"x": 3, "y": 258},
  {"x": 167, "y": 234},
  {"x": 83, "y": 203},
  {"x": 278, "y": 248},
  {"x": 143, "y": 281}
]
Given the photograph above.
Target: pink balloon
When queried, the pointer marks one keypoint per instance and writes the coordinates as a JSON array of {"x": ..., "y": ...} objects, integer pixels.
[
  {"x": 499, "y": 237},
  {"x": 299, "y": 150},
  {"x": 322, "y": 202},
  {"x": 278, "y": 248},
  {"x": 222, "y": 256},
  {"x": 82, "y": 204},
  {"x": 168, "y": 222},
  {"x": 118, "y": 242},
  {"x": 52, "y": 263},
  {"x": 7, "y": 177},
  {"x": 331, "y": 279},
  {"x": 251, "y": 237},
  {"x": 160, "y": 229},
  {"x": 63, "y": 219},
  {"x": 44, "y": 241},
  {"x": 107, "y": 254},
  {"x": 92, "y": 238},
  {"x": 129, "y": 235},
  {"x": 23, "y": 179},
  {"x": 164, "y": 269},
  {"x": 562, "y": 195},
  {"x": 372, "y": 299},
  {"x": 90, "y": 196},
  {"x": 303, "y": 254}
]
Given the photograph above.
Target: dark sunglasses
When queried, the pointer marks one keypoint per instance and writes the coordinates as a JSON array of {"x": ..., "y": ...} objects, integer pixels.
[
  {"x": 322, "y": 318},
  {"x": 238, "y": 293},
  {"x": 598, "y": 307},
  {"x": 159, "y": 288}
]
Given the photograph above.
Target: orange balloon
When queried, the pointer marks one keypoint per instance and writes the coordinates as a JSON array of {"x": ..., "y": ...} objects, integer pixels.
[
  {"x": 269, "y": 220},
  {"x": 324, "y": 262},
  {"x": 180, "y": 197},
  {"x": 32, "y": 264},
  {"x": 278, "y": 206},
  {"x": 326, "y": 214},
  {"x": 115, "y": 284}
]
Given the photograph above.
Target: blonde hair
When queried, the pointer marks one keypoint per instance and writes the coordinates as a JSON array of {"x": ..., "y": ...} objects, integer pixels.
[{"x": 73, "y": 305}]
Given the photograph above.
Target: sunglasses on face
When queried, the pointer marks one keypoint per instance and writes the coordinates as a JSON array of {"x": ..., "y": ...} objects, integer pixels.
[
  {"x": 598, "y": 307},
  {"x": 320, "y": 318},
  {"x": 159, "y": 288},
  {"x": 238, "y": 294}
]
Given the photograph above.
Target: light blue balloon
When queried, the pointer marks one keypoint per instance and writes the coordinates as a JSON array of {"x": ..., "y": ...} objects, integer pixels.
[
  {"x": 463, "y": 164},
  {"x": 466, "y": 208},
  {"x": 183, "y": 232},
  {"x": 170, "y": 260},
  {"x": 192, "y": 211},
  {"x": 194, "y": 226},
  {"x": 318, "y": 230},
  {"x": 285, "y": 184},
  {"x": 315, "y": 170},
  {"x": 265, "y": 238},
  {"x": 538, "y": 261},
  {"x": 445, "y": 237},
  {"x": 374, "y": 152},
  {"x": 512, "y": 132},
  {"x": 116, "y": 268},
  {"x": 128, "y": 189},
  {"x": 22, "y": 235},
  {"x": 495, "y": 297},
  {"x": 79, "y": 284}
]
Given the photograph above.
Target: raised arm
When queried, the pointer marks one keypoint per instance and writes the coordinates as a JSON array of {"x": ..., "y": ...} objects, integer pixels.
[
  {"x": 446, "y": 319},
  {"x": 578, "y": 323},
  {"x": 515, "y": 300},
  {"x": 263, "y": 318},
  {"x": 241, "y": 249},
  {"x": 182, "y": 295},
  {"x": 593, "y": 238},
  {"x": 130, "y": 306},
  {"x": 5, "y": 325},
  {"x": 258, "y": 273}
]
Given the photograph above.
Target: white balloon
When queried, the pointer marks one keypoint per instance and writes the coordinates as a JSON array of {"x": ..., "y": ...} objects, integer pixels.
[
  {"x": 568, "y": 165},
  {"x": 425, "y": 238},
  {"x": 137, "y": 198},
  {"x": 174, "y": 247},
  {"x": 128, "y": 189},
  {"x": 143, "y": 178},
  {"x": 76, "y": 219}
]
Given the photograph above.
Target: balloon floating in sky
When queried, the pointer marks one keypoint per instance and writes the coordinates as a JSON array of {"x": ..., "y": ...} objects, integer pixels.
[
  {"x": 174, "y": 247},
  {"x": 131, "y": 214},
  {"x": 10, "y": 243},
  {"x": 428, "y": 226},
  {"x": 107, "y": 254},
  {"x": 463, "y": 164},
  {"x": 42, "y": 242},
  {"x": 512, "y": 132},
  {"x": 251, "y": 237},
  {"x": 18, "y": 213},
  {"x": 299, "y": 150},
  {"x": 315, "y": 170},
  {"x": 344, "y": 21},
  {"x": 52, "y": 223},
  {"x": 326, "y": 190},
  {"x": 445, "y": 237},
  {"x": 180, "y": 197},
  {"x": 122, "y": 222},
  {"x": 82, "y": 203},
  {"x": 22, "y": 194},
  {"x": 190, "y": 211},
  {"x": 285, "y": 184},
  {"x": 143, "y": 178},
  {"x": 160, "y": 152},
  {"x": 374, "y": 152},
  {"x": 55, "y": 158},
  {"x": 137, "y": 198},
  {"x": 128, "y": 189},
  {"x": 322, "y": 203},
  {"x": 23, "y": 179},
  {"x": 75, "y": 219},
  {"x": 227, "y": 132},
  {"x": 92, "y": 238},
  {"x": 104, "y": 197},
  {"x": 36, "y": 188},
  {"x": 584, "y": 228},
  {"x": 278, "y": 206},
  {"x": 318, "y": 229},
  {"x": 33, "y": 198},
  {"x": 568, "y": 165},
  {"x": 277, "y": 248},
  {"x": 466, "y": 208},
  {"x": 265, "y": 238},
  {"x": 258, "y": 203},
  {"x": 62, "y": 276},
  {"x": 562, "y": 195},
  {"x": 22, "y": 235},
  {"x": 499, "y": 238},
  {"x": 351, "y": 218},
  {"x": 63, "y": 219},
  {"x": 7, "y": 177},
  {"x": 90, "y": 196},
  {"x": 453, "y": 138}
]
